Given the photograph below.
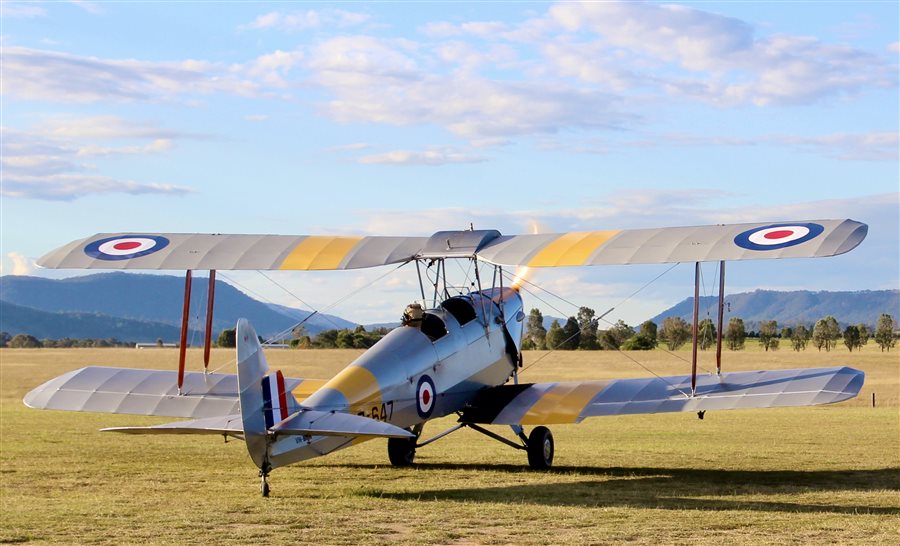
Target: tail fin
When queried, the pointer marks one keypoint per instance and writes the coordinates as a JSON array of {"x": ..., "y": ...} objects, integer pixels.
[{"x": 264, "y": 399}]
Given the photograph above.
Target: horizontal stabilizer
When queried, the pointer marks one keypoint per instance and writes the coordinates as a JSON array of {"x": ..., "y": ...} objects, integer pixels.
[
  {"x": 327, "y": 423},
  {"x": 573, "y": 401},
  {"x": 142, "y": 392},
  {"x": 228, "y": 424}
]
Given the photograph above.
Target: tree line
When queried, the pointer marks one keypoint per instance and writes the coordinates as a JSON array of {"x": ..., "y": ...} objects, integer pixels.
[{"x": 582, "y": 332}]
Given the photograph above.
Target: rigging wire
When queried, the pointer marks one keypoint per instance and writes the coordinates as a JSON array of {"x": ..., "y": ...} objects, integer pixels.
[{"x": 620, "y": 351}]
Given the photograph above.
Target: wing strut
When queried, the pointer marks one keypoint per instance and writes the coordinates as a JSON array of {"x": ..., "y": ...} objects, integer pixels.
[
  {"x": 694, "y": 328},
  {"x": 721, "y": 315},
  {"x": 210, "y": 300},
  {"x": 182, "y": 347}
]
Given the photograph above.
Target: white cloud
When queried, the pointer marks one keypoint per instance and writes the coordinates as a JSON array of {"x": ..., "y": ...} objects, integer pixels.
[
  {"x": 21, "y": 10},
  {"x": 894, "y": 47},
  {"x": 256, "y": 117},
  {"x": 68, "y": 187},
  {"x": 436, "y": 156},
  {"x": 31, "y": 74},
  {"x": 21, "y": 264},
  {"x": 307, "y": 20},
  {"x": 47, "y": 162},
  {"x": 349, "y": 147},
  {"x": 711, "y": 57}
]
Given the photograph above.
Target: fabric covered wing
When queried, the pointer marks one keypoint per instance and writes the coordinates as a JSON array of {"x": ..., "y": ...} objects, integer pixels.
[
  {"x": 329, "y": 423},
  {"x": 804, "y": 239},
  {"x": 571, "y": 402},
  {"x": 181, "y": 251},
  {"x": 226, "y": 424},
  {"x": 143, "y": 392}
]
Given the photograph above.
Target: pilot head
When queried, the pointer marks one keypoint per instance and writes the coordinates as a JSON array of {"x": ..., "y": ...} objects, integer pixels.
[{"x": 412, "y": 316}]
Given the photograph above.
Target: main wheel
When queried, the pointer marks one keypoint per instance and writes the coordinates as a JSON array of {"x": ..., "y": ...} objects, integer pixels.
[
  {"x": 540, "y": 448},
  {"x": 401, "y": 451}
]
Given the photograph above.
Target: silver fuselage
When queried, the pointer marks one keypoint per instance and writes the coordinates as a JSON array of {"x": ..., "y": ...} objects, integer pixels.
[{"x": 414, "y": 374}]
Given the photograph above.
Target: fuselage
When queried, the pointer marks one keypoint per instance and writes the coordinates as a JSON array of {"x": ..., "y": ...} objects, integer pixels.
[{"x": 414, "y": 374}]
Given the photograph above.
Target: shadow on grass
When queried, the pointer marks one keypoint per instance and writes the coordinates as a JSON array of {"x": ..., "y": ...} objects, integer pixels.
[{"x": 668, "y": 488}]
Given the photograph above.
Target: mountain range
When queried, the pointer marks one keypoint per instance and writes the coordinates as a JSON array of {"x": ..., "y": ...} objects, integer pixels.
[
  {"x": 793, "y": 308},
  {"x": 136, "y": 307},
  {"x": 144, "y": 308}
]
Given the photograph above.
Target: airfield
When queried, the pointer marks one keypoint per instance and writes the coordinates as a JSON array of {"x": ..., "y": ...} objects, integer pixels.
[{"x": 816, "y": 475}]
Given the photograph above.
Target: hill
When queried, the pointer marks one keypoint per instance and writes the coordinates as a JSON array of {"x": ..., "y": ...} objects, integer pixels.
[
  {"x": 796, "y": 307},
  {"x": 151, "y": 299},
  {"x": 15, "y": 319}
]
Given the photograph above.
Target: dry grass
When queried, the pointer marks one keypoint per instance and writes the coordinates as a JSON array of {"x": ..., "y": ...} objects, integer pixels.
[{"x": 807, "y": 475}]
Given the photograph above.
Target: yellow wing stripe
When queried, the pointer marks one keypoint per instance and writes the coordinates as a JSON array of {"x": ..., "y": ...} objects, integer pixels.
[
  {"x": 562, "y": 403},
  {"x": 571, "y": 248},
  {"x": 319, "y": 252}
]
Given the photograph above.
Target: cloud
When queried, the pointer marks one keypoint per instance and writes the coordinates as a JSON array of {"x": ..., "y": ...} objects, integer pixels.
[
  {"x": 349, "y": 147},
  {"x": 256, "y": 117},
  {"x": 68, "y": 187},
  {"x": 432, "y": 157},
  {"x": 48, "y": 162},
  {"x": 711, "y": 57},
  {"x": 21, "y": 264},
  {"x": 31, "y": 74},
  {"x": 874, "y": 146},
  {"x": 307, "y": 20},
  {"x": 21, "y": 10}
]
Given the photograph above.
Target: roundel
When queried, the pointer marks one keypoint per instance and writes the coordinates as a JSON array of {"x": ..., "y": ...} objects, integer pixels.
[
  {"x": 125, "y": 247},
  {"x": 425, "y": 397},
  {"x": 777, "y": 236}
]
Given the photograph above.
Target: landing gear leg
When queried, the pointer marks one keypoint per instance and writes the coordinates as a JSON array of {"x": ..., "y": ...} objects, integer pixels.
[{"x": 264, "y": 481}]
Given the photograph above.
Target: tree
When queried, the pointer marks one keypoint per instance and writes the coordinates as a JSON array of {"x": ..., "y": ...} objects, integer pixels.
[
  {"x": 675, "y": 332},
  {"x": 554, "y": 335},
  {"x": 800, "y": 337},
  {"x": 571, "y": 335},
  {"x": 863, "y": 334},
  {"x": 587, "y": 329},
  {"x": 226, "y": 338},
  {"x": 884, "y": 332},
  {"x": 613, "y": 338},
  {"x": 649, "y": 330},
  {"x": 24, "y": 341},
  {"x": 851, "y": 338},
  {"x": 5, "y": 339},
  {"x": 787, "y": 332},
  {"x": 735, "y": 334},
  {"x": 344, "y": 339},
  {"x": 535, "y": 331},
  {"x": 706, "y": 334},
  {"x": 826, "y": 332},
  {"x": 768, "y": 335}
]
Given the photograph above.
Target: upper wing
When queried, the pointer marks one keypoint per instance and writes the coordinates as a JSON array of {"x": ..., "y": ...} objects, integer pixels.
[
  {"x": 146, "y": 392},
  {"x": 179, "y": 251},
  {"x": 230, "y": 252},
  {"x": 681, "y": 244},
  {"x": 571, "y": 402}
]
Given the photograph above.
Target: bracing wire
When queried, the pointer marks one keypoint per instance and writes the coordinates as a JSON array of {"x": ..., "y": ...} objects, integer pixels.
[{"x": 629, "y": 357}]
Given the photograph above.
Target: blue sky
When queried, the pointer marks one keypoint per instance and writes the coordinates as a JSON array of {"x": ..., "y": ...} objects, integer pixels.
[{"x": 409, "y": 118}]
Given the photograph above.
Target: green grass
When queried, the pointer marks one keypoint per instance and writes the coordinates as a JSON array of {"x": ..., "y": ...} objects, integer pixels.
[{"x": 806, "y": 475}]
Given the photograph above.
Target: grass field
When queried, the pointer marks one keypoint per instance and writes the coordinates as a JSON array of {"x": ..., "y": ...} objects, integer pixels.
[{"x": 806, "y": 475}]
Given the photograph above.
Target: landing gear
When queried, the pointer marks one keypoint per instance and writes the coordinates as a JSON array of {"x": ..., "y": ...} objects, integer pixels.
[
  {"x": 402, "y": 451},
  {"x": 264, "y": 482},
  {"x": 540, "y": 448}
]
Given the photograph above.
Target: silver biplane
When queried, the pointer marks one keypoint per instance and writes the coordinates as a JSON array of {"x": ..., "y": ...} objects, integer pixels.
[{"x": 457, "y": 354}]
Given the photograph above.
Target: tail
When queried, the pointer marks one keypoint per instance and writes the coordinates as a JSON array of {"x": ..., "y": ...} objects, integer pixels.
[{"x": 264, "y": 399}]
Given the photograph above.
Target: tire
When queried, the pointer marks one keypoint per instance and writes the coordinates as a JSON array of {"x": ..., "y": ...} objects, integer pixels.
[
  {"x": 402, "y": 451},
  {"x": 540, "y": 448}
]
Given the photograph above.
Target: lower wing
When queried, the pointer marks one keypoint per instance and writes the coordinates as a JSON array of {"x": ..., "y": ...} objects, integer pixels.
[{"x": 571, "y": 402}]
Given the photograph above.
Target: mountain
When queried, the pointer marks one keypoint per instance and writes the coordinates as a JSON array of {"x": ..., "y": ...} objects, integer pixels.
[
  {"x": 791, "y": 308},
  {"x": 15, "y": 319},
  {"x": 319, "y": 321},
  {"x": 143, "y": 298}
]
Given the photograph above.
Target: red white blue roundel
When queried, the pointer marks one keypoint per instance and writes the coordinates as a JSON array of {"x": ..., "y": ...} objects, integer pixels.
[
  {"x": 425, "y": 397},
  {"x": 778, "y": 236},
  {"x": 125, "y": 247}
]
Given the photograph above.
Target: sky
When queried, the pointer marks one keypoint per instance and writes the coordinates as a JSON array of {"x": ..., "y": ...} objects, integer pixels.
[{"x": 406, "y": 118}]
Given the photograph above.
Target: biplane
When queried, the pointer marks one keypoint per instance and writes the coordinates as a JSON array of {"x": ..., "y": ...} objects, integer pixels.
[{"x": 457, "y": 352}]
